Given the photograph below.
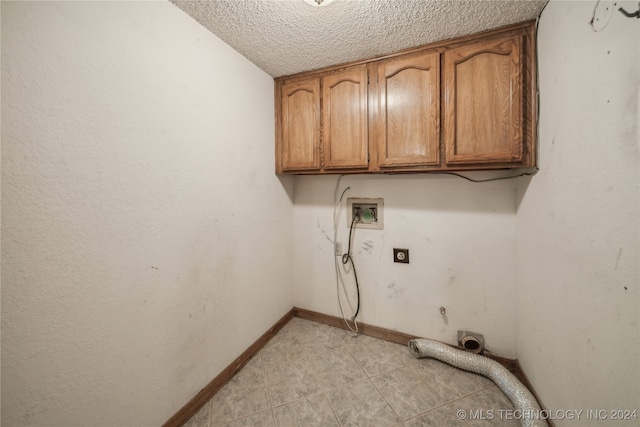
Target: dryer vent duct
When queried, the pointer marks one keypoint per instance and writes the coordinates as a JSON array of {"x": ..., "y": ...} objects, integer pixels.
[
  {"x": 519, "y": 395},
  {"x": 471, "y": 342}
]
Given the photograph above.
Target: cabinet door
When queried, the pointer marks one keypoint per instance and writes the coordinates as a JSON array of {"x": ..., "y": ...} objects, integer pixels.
[
  {"x": 483, "y": 99},
  {"x": 344, "y": 115},
  {"x": 409, "y": 111},
  {"x": 300, "y": 146}
]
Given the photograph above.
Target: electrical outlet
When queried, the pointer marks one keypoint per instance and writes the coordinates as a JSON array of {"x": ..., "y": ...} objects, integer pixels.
[
  {"x": 401, "y": 255},
  {"x": 338, "y": 248}
]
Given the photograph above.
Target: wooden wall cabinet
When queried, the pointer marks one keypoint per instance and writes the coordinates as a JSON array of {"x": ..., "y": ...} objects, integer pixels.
[
  {"x": 483, "y": 102},
  {"x": 344, "y": 119},
  {"x": 464, "y": 104},
  {"x": 300, "y": 125},
  {"x": 409, "y": 111},
  {"x": 322, "y": 122}
]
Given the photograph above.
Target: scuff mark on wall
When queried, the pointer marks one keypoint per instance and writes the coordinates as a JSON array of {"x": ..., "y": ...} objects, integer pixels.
[
  {"x": 443, "y": 313},
  {"x": 394, "y": 290},
  {"x": 484, "y": 296},
  {"x": 367, "y": 246},
  {"x": 324, "y": 232},
  {"x": 618, "y": 259},
  {"x": 425, "y": 238}
]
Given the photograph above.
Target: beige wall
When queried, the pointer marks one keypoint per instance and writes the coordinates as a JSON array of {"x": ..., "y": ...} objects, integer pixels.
[
  {"x": 146, "y": 241},
  {"x": 145, "y": 237},
  {"x": 578, "y": 233},
  {"x": 461, "y": 241}
]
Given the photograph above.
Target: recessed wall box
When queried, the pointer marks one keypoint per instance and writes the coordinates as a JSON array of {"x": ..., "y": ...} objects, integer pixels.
[{"x": 368, "y": 213}]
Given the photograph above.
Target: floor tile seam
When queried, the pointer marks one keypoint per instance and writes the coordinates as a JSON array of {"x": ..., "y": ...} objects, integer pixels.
[
  {"x": 387, "y": 402},
  {"x": 286, "y": 362},
  {"x": 306, "y": 354},
  {"x": 308, "y": 376},
  {"x": 447, "y": 405},
  {"x": 324, "y": 390},
  {"x": 297, "y": 399},
  {"x": 283, "y": 331},
  {"x": 425, "y": 380},
  {"x": 269, "y": 366},
  {"x": 273, "y": 416},
  {"x": 349, "y": 376},
  {"x": 266, "y": 384},
  {"x": 311, "y": 325},
  {"x": 306, "y": 398},
  {"x": 484, "y": 387},
  {"x": 244, "y": 417},
  {"x": 333, "y": 411},
  {"x": 322, "y": 352},
  {"x": 468, "y": 395},
  {"x": 316, "y": 356},
  {"x": 236, "y": 388},
  {"x": 502, "y": 396},
  {"x": 333, "y": 334},
  {"x": 466, "y": 419},
  {"x": 304, "y": 350},
  {"x": 317, "y": 380},
  {"x": 349, "y": 344},
  {"x": 430, "y": 410},
  {"x": 473, "y": 376},
  {"x": 357, "y": 361},
  {"x": 210, "y": 403},
  {"x": 479, "y": 382},
  {"x": 377, "y": 373},
  {"x": 388, "y": 372}
]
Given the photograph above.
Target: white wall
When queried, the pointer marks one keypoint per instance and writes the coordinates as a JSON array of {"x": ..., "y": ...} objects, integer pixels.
[
  {"x": 145, "y": 237},
  {"x": 578, "y": 234},
  {"x": 461, "y": 238}
]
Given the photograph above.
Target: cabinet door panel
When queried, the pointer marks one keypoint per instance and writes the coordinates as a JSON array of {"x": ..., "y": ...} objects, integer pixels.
[
  {"x": 300, "y": 125},
  {"x": 344, "y": 109},
  {"x": 409, "y": 115},
  {"x": 483, "y": 102}
]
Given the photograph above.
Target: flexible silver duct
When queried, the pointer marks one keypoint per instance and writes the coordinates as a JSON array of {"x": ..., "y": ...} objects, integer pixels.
[{"x": 520, "y": 396}]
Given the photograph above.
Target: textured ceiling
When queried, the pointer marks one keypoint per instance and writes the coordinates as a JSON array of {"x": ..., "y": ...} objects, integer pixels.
[{"x": 285, "y": 37}]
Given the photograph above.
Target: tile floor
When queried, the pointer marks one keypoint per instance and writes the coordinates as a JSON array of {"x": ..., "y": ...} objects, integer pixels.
[{"x": 312, "y": 374}]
